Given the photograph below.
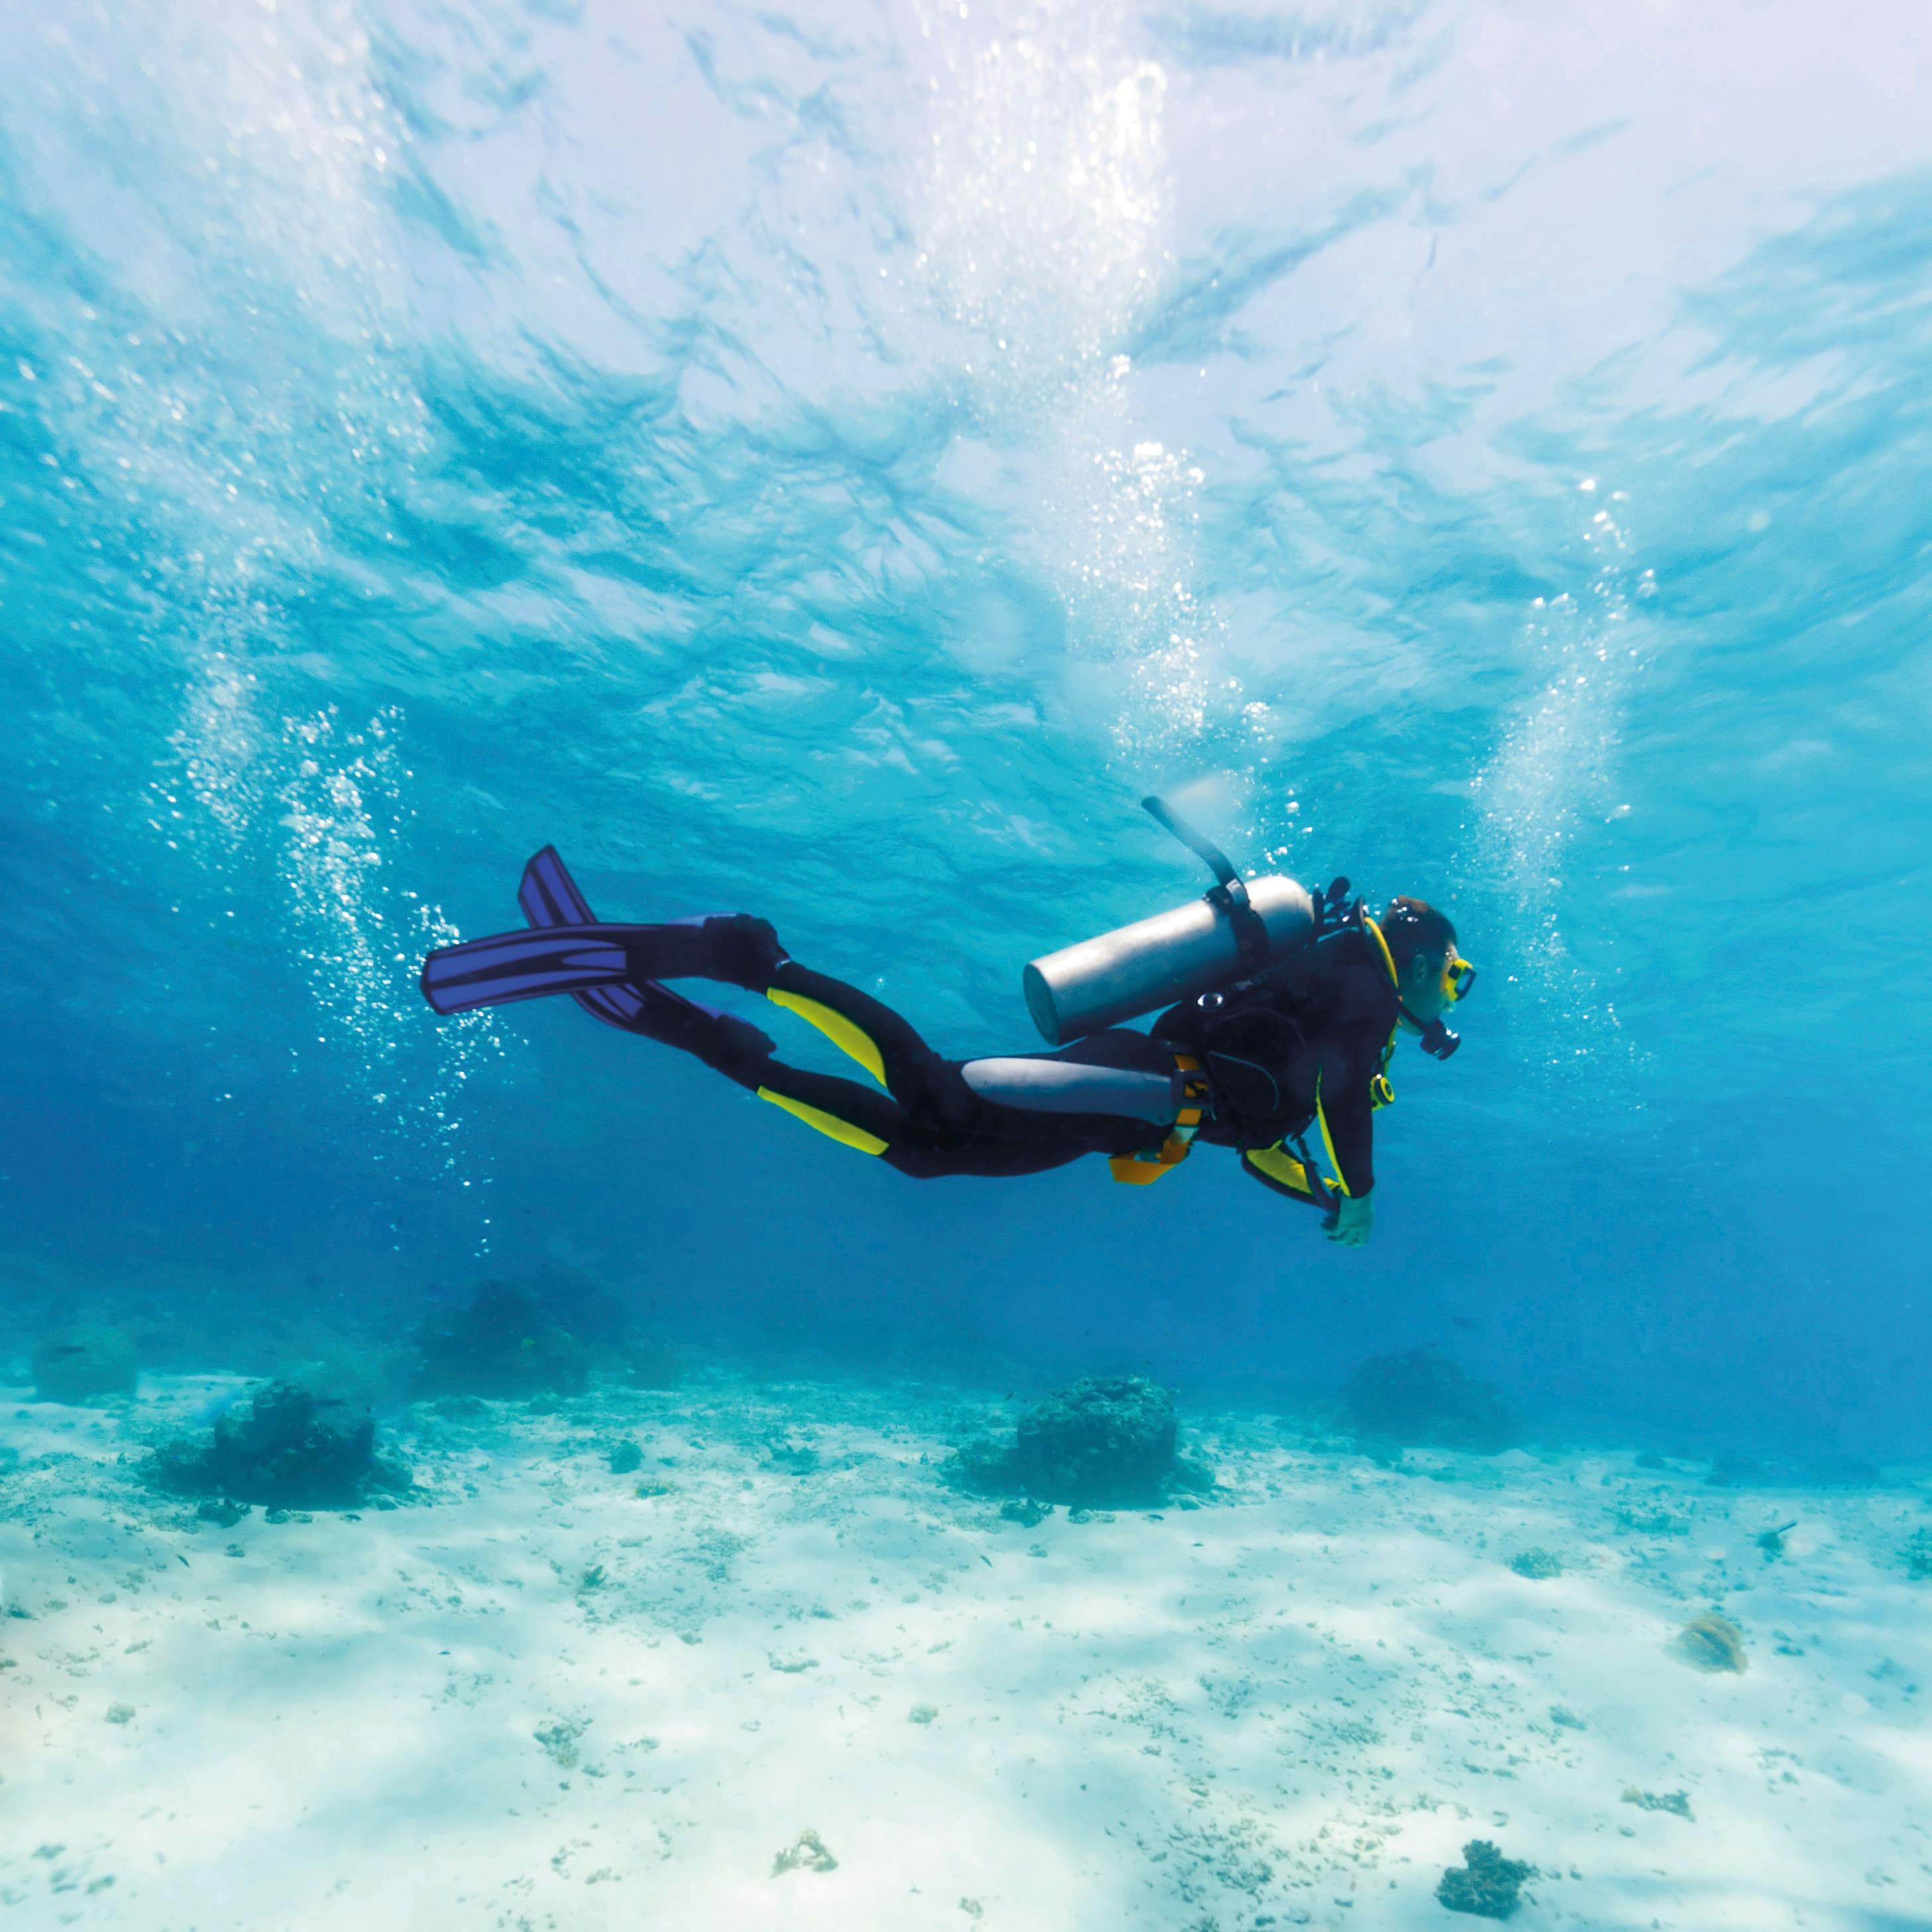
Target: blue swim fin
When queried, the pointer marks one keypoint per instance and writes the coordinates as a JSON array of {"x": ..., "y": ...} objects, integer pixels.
[
  {"x": 507, "y": 966},
  {"x": 569, "y": 951},
  {"x": 548, "y": 896}
]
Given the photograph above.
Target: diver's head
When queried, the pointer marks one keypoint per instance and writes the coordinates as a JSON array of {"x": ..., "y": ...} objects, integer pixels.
[{"x": 1431, "y": 975}]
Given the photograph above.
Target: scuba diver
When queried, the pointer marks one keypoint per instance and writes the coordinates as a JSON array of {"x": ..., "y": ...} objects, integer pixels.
[{"x": 1283, "y": 1011}]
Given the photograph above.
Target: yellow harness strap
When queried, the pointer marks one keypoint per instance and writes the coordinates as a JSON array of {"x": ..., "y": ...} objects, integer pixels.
[
  {"x": 1143, "y": 1169},
  {"x": 1382, "y": 945},
  {"x": 1281, "y": 1167}
]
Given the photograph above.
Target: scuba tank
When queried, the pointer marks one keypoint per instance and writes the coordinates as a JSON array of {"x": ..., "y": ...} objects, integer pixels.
[{"x": 1234, "y": 931}]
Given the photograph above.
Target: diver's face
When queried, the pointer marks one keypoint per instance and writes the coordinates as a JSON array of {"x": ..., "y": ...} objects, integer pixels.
[{"x": 1424, "y": 991}]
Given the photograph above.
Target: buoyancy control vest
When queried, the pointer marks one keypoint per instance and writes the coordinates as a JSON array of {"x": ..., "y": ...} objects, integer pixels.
[
  {"x": 1252, "y": 971},
  {"x": 1258, "y": 1040}
]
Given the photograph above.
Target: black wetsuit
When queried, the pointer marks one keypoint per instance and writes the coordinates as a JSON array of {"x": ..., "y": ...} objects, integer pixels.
[
  {"x": 1295, "y": 1050},
  {"x": 930, "y": 1122},
  {"x": 1300, "y": 1046}
]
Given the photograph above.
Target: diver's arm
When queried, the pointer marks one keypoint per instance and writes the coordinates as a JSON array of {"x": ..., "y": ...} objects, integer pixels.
[
  {"x": 1350, "y": 1060},
  {"x": 1355, "y": 1221},
  {"x": 1348, "y": 1116}
]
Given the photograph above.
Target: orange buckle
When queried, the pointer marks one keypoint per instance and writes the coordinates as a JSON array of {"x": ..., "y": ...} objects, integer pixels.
[{"x": 1141, "y": 1170}]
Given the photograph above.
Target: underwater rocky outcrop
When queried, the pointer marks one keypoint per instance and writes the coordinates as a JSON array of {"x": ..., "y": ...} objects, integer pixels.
[
  {"x": 1677, "y": 1803},
  {"x": 1420, "y": 1398},
  {"x": 1486, "y": 1884},
  {"x": 502, "y": 1344},
  {"x": 806, "y": 1852},
  {"x": 366, "y": 1371},
  {"x": 83, "y": 1363},
  {"x": 1109, "y": 1440},
  {"x": 286, "y": 1448}
]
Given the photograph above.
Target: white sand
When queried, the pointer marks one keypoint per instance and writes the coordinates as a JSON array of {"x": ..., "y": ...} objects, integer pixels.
[{"x": 545, "y": 1701}]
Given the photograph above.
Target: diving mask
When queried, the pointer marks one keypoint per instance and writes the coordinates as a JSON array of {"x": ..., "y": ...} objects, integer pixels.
[{"x": 1458, "y": 976}]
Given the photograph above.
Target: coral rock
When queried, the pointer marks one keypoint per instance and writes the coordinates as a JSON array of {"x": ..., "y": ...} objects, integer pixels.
[
  {"x": 502, "y": 1345},
  {"x": 806, "y": 1852},
  {"x": 286, "y": 1449},
  {"x": 1110, "y": 1439},
  {"x": 1486, "y": 1884}
]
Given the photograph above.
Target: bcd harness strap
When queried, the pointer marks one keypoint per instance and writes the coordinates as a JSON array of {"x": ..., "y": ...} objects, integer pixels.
[
  {"x": 1141, "y": 1169},
  {"x": 1288, "y": 1166}
]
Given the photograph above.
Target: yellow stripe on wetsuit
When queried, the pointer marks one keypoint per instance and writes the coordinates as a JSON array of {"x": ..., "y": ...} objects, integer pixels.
[
  {"x": 1321, "y": 1121},
  {"x": 826, "y": 1123},
  {"x": 852, "y": 1040}
]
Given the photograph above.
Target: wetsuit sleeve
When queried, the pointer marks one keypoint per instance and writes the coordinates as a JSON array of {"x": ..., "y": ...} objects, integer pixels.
[
  {"x": 1348, "y": 1114},
  {"x": 1351, "y": 1058}
]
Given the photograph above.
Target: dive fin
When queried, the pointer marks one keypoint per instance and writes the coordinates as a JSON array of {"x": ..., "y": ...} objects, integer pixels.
[
  {"x": 508, "y": 966},
  {"x": 550, "y": 898}
]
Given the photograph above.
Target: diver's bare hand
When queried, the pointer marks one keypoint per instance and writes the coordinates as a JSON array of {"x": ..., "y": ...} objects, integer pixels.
[{"x": 1355, "y": 1221}]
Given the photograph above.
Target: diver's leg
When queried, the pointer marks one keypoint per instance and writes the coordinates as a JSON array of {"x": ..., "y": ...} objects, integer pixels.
[
  {"x": 917, "y": 1145},
  {"x": 736, "y": 948},
  {"x": 859, "y": 1116},
  {"x": 743, "y": 950},
  {"x": 886, "y": 1043},
  {"x": 550, "y": 897},
  {"x": 720, "y": 1039}
]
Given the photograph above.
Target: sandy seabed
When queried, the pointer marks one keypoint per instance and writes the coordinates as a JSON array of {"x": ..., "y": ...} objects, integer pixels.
[{"x": 550, "y": 1695}]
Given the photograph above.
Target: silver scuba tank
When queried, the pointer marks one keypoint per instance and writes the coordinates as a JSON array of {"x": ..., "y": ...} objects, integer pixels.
[{"x": 1235, "y": 929}]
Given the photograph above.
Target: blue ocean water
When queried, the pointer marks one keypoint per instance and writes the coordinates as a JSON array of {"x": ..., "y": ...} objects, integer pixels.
[{"x": 833, "y": 461}]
